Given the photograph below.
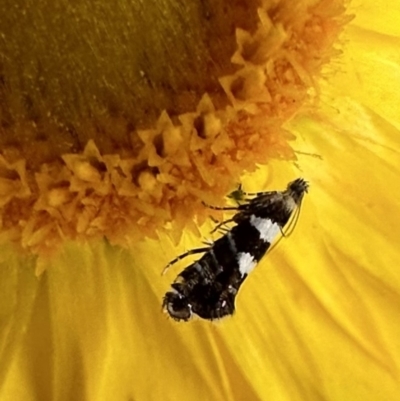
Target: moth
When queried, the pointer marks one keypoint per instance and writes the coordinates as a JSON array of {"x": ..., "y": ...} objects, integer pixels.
[{"x": 208, "y": 287}]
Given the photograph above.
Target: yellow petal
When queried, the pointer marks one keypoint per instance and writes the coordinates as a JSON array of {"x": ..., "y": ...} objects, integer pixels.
[{"x": 317, "y": 319}]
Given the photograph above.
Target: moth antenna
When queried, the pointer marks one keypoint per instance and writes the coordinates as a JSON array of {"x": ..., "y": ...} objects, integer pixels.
[
  {"x": 255, "y": 194},
  {"x": 219, "y": 207}
]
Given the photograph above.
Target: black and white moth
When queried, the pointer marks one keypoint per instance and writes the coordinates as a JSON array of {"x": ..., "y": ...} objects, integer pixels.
[{"x": 208, "y": 287}]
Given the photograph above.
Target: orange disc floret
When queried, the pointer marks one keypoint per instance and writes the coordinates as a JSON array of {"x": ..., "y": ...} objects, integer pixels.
[{"x": 155, "y": 176}]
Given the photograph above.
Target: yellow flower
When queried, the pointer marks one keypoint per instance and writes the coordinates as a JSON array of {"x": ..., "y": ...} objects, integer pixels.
[{"x": 317, "y": 319}]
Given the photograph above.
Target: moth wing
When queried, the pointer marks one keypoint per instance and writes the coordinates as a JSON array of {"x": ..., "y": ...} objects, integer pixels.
[
  {"x": 211, "y": 303},
  {"x": 265, "y": 202}
]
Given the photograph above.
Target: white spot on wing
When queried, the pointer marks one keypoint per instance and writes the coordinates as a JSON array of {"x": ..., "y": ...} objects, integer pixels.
[
  {"x": 268, "y": 230},
  {"x": 231, "y": 242},
  {"x": 246, "y": 262},
  {"x": 198, "y": 267}
]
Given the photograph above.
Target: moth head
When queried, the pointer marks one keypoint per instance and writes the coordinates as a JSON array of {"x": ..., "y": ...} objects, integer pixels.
[
  {"x": 177, "y": 306},
  {"x": 297, "y": 189}
]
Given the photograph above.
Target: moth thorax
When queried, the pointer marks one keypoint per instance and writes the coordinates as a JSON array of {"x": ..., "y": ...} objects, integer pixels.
[{"x": 290, "y": 204}]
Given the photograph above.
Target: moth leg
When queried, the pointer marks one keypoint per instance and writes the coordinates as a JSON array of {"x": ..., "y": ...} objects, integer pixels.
[
  {"x": 214, "y": 220},
  {"x": 219, "y": 225},
  {"x": 208, "y": 242},
  {"x": 223, "y": 230},
  {"x": 184, "y": 255}
]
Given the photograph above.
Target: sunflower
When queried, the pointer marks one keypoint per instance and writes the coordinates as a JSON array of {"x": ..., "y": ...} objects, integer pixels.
[{"x": 317, "y": 319}]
